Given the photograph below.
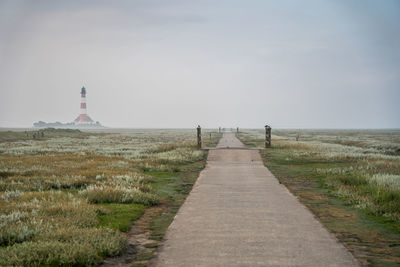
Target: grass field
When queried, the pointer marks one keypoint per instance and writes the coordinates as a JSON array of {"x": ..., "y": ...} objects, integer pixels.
[
  {"x": 67, "y": 197},
  {"x": 349, "y": 179}
]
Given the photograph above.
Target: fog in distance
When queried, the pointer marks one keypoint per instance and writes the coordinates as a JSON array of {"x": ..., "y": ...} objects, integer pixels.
[{"x": 178, "y": 63}]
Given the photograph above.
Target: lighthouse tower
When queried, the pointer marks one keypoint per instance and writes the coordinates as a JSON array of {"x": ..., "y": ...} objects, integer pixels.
[{"x": 83, "y": 118}]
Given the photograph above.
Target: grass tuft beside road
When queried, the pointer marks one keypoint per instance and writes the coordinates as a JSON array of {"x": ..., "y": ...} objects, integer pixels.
[{"x": 120, "y": 216}]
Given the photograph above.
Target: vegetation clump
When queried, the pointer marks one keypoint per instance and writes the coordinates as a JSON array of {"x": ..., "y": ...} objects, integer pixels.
[{"x": 118, "y": 194}]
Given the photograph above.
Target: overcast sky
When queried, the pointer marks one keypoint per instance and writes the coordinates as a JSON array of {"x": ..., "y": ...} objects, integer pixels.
[{"x": 179, "y": 63}]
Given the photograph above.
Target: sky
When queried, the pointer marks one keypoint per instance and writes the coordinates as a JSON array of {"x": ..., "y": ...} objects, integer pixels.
[{"x": 180, "y": 63}]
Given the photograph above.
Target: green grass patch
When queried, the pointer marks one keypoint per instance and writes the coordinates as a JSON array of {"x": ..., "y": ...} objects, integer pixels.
[
  {"x": 121, "y": 216},
  {"x": 144, "y": 256},
  {"x": 160, "y": 174},
  {"x": 139, "y": 264},
  {"x": 152, "y": 245}
]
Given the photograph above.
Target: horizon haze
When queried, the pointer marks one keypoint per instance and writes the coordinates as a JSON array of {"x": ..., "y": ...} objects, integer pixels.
[{"x": 177, "y": 64}]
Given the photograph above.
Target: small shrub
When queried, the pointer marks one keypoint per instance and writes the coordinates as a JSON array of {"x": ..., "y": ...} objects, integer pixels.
[
  {"x": 49, "y": 253},
  {"x": 352, "y": 180},
  {"x": 17, "y": 227},
  {"x": 105, "y": 241},
  {"x": 70, "y": 213},
  {"x": 117, "y": 194},
  {"x": 17, "y": 233},
  {"x": 389, "y": 180},
  {"x": 11, "y": 195}
]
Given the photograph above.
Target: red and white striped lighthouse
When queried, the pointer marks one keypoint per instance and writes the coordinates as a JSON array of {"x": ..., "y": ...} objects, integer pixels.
[{"x": 83, "y": 118}]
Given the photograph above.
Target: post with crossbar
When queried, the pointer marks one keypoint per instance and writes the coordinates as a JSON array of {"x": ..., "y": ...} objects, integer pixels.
[
  {"x": 267, "y": 136},
  {"x": 198, "y": 137}
]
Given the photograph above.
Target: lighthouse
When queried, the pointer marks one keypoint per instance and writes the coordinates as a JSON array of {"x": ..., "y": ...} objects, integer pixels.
[{"x": 83, "y": 118}]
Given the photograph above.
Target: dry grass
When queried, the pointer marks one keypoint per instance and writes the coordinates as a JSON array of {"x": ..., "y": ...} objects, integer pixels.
[{"x": 48, "y": 189}]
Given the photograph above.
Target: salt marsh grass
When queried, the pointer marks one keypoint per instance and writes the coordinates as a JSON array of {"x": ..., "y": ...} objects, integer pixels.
[
  {"x": 118, "y": 194},
  {"x": 388, "y": 180},
  {"x": 52, "y": 190},
  {"x": 361, "y": 166}
]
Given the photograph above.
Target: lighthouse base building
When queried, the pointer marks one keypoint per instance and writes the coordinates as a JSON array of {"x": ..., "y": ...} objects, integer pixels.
[{"x": 84, "y": 119}]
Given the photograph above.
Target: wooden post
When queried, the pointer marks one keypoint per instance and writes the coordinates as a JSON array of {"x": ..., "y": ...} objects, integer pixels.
[
  {"x": 210, "y": 135},
  {"x": 198, "y": 137},
  {"x": 237, "y": 129},
  {"x": 267, "y": 136},
  {"x": 219, "y": 129}
]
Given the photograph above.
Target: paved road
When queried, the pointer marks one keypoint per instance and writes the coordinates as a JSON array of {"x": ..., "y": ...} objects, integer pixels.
[{"x": 239, "y": 215}]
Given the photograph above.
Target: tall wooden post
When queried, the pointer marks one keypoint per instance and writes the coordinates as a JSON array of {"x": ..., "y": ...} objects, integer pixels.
[
  {"x": 237, "y": 129},
  {"x": 267, "y": 136},
  {"x": 219, "y": 129},
  {"x": 198, "y": 137}
]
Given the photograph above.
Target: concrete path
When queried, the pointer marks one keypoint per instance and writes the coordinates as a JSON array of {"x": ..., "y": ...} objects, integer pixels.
[{"x": 239, "y": 215}]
